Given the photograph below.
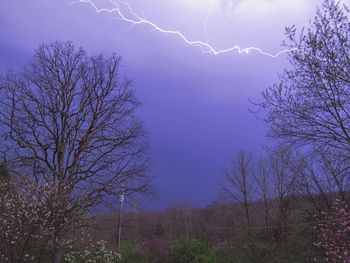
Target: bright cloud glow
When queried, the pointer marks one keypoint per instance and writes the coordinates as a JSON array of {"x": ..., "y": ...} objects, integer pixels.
[{"x": 133, "y": 18}]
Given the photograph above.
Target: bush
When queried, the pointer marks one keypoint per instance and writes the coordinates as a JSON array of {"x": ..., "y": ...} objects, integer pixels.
[
  {"x": 334, "y": 234},
  {"x": 133, "y": 253},
  {"x": 98, "y": 253},
  {"x": 193, "y": 251}
]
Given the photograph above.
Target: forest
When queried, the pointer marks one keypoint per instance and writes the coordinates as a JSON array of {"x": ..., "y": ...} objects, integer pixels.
[{"x": 72, "y": 143}]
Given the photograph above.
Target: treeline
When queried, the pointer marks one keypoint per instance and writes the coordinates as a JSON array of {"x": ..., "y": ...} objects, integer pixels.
[
  {"x": 263, "y": 214},
  {"x": 266, "y": 213}
]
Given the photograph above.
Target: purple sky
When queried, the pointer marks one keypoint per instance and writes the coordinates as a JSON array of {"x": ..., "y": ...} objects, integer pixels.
[{"x": 194, "y": 105}]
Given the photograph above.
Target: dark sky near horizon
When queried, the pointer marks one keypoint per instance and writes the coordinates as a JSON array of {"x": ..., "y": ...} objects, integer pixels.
[{"x": 195, "y": 106}]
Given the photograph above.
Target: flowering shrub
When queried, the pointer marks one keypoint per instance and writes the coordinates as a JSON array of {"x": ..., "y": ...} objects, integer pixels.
[
  {"x": 96, "y": 254},
  {"x": 334, "y": 234},
  {"x": 25, "y": 221}
]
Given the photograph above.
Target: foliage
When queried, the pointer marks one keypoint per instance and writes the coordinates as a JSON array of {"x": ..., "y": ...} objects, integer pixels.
[
  {"x": 193, "y": 251},
  {"x": 134, "y": 253}
]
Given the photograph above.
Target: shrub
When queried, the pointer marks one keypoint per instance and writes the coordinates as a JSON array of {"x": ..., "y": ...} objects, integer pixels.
[
  {"x": 98, "y": 253},
  {"x": 194, "y": 251},
  {"x": 334, "y": 234}
]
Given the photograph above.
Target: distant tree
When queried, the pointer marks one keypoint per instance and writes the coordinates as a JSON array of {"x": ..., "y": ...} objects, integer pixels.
[
  {"x": 71, "y": 124},
  {"x": 337, "y": 168},
  {"x": 311, "y": 103},
  {"x": 283, "y": 174},
  {"x": 263, "y": 183},
  {"x": 204, "y": 221},
  {"x": 324, "y": 177},
  {"x": 238, "y": 185},
  {"x": 312, "y": 185},
  {"x": 238, "y": 188}
]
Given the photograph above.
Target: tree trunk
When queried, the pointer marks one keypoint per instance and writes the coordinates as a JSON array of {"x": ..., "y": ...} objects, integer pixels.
[{"x": 57, "y": 251}]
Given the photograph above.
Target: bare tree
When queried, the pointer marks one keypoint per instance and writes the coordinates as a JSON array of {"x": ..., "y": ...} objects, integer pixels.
[
  {"x": 337, "y": 168},
  {"x": 311, "y": 104},
  {"x": 238, "y": 184},
  {"x": 263, "y": 188},
  {"x": 71, "y": 123},
  {"x": 324, "y": 177},
  {"x": 312, "y": 184},
  {"x": 284, "y": 170}
]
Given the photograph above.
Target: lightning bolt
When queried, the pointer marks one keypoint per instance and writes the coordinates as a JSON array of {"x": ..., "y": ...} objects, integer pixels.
[{"x": 206, "y": 48}]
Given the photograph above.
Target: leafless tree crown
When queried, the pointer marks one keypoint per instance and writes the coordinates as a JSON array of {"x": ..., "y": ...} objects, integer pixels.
[
  {"x": 311, "y": 104},
  {"x": 68, "y": 121}
]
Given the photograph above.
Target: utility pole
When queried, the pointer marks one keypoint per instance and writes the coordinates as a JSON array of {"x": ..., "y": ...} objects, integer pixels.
[{"x": 121, "y": 202}]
